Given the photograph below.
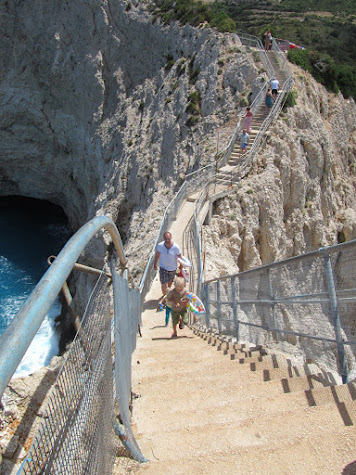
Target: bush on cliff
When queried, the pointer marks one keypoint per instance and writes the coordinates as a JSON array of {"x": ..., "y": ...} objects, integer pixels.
[{"x": 333, "y": 76}]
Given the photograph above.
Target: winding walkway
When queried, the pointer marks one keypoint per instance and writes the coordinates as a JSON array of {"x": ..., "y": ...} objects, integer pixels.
[{"x": 207, "y": 406}]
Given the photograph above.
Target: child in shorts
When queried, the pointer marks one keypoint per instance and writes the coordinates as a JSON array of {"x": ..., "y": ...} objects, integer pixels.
[
  {"x": 178, "y": 301},
  {"x": 244, "y": 141}
]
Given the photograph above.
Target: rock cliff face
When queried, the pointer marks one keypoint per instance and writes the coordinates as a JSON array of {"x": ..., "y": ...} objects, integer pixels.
[
  {"x": 101, "y": 109},
  {"x": 301, "y": 192}
]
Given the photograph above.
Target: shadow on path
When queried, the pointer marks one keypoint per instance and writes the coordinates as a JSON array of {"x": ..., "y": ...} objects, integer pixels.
[
  {"x": 173, "y": 339},
  {"x": 151, "y": 304},
  {"x": 350, "y": 469}
]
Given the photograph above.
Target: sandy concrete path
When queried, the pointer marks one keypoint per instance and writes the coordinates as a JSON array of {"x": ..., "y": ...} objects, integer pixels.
[{"x": 201, "y": 412}]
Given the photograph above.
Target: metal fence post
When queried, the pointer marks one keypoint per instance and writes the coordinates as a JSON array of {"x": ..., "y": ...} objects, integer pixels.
[
  {"x": 234, "y": 307},
  {"x": 207, "y": 306},
  {"x": 218, "y": 304},
  {"x": 336, "y": 317},
  {"x": 270, "y": 291}
]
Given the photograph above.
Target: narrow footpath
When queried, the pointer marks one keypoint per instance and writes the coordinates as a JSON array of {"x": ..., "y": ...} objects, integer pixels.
[{"x": 208, "y": 407}]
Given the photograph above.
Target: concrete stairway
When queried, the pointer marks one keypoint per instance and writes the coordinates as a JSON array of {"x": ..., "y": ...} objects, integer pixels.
[
  {"x": 208, "y": 406},
  {"x": 226, "y": 177},
  {"x": 259, "y": 117},
  {"x": 279, "y": 74}
]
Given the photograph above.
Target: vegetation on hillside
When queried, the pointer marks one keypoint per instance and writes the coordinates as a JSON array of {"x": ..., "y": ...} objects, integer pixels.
[
  {"x": 333, "y": 76},
  {"x": 327, "y": 31}
]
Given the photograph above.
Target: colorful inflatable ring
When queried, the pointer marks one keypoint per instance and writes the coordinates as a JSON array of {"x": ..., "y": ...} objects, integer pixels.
[{"x": 195, "y": 304}]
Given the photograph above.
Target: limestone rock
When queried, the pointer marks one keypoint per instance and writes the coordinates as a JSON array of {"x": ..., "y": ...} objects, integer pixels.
[{"x": 300, "y": 194}]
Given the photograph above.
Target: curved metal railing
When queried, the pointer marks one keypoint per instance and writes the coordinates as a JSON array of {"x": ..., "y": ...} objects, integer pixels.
[
  {"x": 80, "y": 410},
  {"x": 21, "y": 331}
]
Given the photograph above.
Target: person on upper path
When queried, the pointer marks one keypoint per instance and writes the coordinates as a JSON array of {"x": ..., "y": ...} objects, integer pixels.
[
  {"x": 244, "y": 141},
  {"x": 268, "y": 40},
  {"x": 268, "y": 101},
  {"x": 248, "y": 119},
  {"x": 167, "y": 252},
  {"x": 274, "y": 87}
]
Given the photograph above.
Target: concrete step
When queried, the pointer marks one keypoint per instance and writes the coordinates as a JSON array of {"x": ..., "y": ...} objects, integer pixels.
[
  {"x": 253, "y": 458},
  {"x": 193, "y": 197},
  {"x": 201, "y": 412},
  {"x": 271, "y": 366},
  {"x": 223, "y": 430},
  {"x": 228, "y": 400}
]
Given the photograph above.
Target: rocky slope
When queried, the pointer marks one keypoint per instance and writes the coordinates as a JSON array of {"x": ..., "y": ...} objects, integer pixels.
[
  {"x": 301, "y": 192},
  {"x": 101, "y": 108}
]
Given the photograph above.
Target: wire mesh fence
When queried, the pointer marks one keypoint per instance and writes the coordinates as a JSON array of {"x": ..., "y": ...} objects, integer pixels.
[
  {"x": 193, "y": 182},
  {"x": 305, "y": 305},
  {"x": 127, "y": 318},
  {"x": 76, "y": 434}
]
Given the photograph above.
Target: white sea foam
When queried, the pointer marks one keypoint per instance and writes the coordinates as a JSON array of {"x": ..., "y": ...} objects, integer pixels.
[
  {"x": 43, "y": 347},
  {"x": 15, "y": 288}
]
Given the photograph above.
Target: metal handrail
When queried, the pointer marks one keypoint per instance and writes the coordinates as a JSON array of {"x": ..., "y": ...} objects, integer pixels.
[
  {"x": 256, "y": 43},
  {"x": 18, "y": 336},
  {"x": 169, "y": 216},
  {"x": 241, "y": 170},
  {"x": 322, "y": 251}
]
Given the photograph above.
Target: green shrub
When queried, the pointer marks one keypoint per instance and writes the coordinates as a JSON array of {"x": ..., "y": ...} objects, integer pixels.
[
  {"x": 300, "y": 57},
  {"x": 346, "y": 80},
  {"x": 193, "y": 76},
  {"x": 193, "y": 109},
  {"x": 223, "y": 23},
  {"x": 290, "y": 100},
  {"x": 243, "y": 101},
  {"x": 181, "y": 67},
  {"x": 323, "y": 70},
  {"x": 320, "y": 65},
  {"x": 192, "y": 120},
  {"x": 170, "y": 62},
  {"x": 194, "y": 97}
]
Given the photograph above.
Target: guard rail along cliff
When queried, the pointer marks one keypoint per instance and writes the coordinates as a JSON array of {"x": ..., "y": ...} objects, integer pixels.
[{"x": 87, "y": 406}]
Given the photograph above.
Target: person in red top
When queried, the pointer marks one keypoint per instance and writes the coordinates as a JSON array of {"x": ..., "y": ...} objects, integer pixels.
[{"x": 248, "y": 119}]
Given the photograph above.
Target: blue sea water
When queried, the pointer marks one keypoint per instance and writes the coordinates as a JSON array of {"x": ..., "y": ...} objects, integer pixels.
[{"x": 29, "y": 234}]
